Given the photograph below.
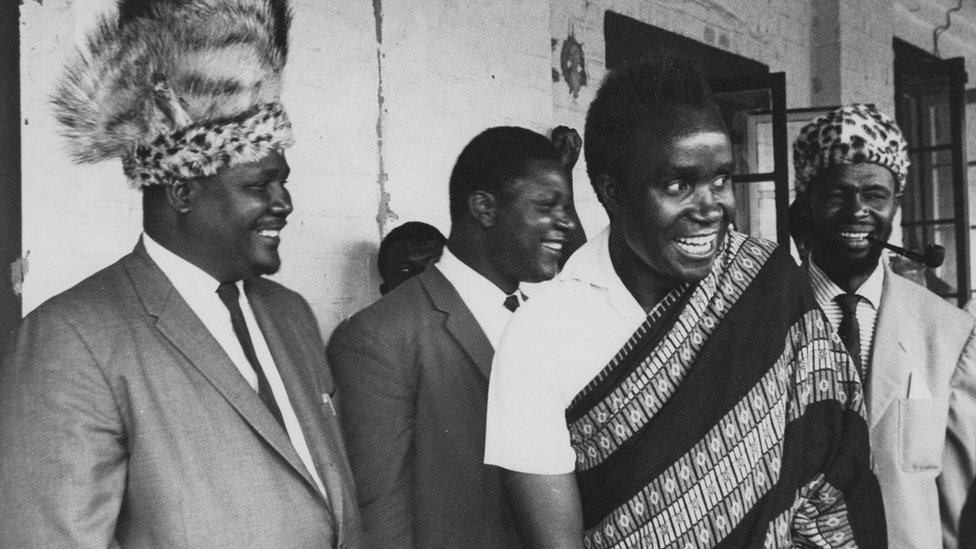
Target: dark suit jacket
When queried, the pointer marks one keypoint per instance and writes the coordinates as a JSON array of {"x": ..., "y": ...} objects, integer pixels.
[
  {"x": 412, "y": 370},
  {"x": 122, "y": 421}
]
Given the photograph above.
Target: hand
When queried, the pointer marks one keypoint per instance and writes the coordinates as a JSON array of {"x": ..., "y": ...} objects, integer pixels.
[{"x": 569, "y": 143}]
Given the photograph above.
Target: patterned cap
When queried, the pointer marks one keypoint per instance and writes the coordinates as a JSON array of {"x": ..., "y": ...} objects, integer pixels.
[{"x": 850, "y": 135}]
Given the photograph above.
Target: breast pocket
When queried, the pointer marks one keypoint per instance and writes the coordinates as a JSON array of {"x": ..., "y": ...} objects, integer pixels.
[{"x": 921, "y": 433}]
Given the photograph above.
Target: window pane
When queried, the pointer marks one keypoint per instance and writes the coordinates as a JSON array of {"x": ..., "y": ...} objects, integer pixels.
[
  {"x": 750, "y": 129},
  {"x": 755, "y": 208},
  {"x": 941, "y": 280},
  {"x": 934, "y": 117},
  {"x": 929, "y": 195}
]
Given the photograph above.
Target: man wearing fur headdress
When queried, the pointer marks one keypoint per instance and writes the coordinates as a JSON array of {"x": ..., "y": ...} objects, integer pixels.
[{"x": 177, "y": 398}]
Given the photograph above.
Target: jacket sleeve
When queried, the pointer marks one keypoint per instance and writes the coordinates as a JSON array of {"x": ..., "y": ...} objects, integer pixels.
[
  {"x": 959, "y": 457},
  {"x": 376, "y": 398},
  {"x": 62, "y": 446}
]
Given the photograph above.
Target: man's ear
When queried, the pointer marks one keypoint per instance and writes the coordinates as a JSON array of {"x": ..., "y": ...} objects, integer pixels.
[
  {"x": 482, "y": 205},
  {"x": 899, "y": 198},
  {"x": 179, "y": 195},
  {"x": 610, "y": 192}
]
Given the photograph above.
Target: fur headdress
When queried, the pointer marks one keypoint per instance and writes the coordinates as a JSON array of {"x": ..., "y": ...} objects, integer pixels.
[
  {"x": 178, "y": 88},
  {"x": 850, "y": 135}
]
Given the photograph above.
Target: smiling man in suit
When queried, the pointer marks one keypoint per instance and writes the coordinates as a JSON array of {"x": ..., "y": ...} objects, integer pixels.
[
  {"x": 177, "y": 398},
  {"x": 915, "y": 352},
  {"x": 413, "y": 368}
]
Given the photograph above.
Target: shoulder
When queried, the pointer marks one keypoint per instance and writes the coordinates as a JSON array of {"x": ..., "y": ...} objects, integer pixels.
[
  {"x": 275, "y": 291},
  {"x": 925, "y": 305},
  {"x": 99, "y": 300},
  {"x": 398, "y": 315},
  {"x": 779, "y": 278}
]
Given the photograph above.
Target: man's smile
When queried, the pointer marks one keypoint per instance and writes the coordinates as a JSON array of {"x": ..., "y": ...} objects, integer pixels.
[{"x": 698, "y": 246}]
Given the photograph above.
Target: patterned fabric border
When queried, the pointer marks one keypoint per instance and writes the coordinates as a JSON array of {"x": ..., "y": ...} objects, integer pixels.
[
  {"x": 597, "y": 434},
  {"x": 700, "y": 498}
]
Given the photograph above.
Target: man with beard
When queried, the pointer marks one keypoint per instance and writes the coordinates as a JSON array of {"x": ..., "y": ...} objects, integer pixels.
[
  {"x": 915, "y": 353},
  {"x": 175, "y": 398},
  {"x": 413, "y": 367},
  {"x": 676, "y": 385}
]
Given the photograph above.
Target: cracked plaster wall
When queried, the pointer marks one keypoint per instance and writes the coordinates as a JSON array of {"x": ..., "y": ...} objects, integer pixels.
[{"x": 369, "y": 157}]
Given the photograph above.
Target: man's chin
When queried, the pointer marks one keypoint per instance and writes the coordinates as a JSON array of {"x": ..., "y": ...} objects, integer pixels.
[
  {"x": 265, "y": 267},
  {"x": 853, "y": 259},
  {"x": 541, "y": 272}
]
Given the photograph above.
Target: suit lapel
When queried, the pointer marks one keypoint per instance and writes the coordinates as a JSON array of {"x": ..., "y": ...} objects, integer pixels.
[
  {"x": 181, "y": 326},
  {"x": 460, "y": 323},
  {"x": 302, "y": 395},
  {"x": 890, "y": 366}
]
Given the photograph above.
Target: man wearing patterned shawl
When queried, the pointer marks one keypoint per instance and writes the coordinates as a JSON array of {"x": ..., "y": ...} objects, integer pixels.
[
  {"x": 677, "y": 386},
  {"x": 916, "y": 354},
  {"x": 177, "y": 398}
]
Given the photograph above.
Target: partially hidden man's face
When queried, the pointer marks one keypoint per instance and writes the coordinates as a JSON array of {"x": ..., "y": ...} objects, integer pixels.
[
  {"x": 532, "y": 223},
  {"x": 237, "y": 215},
  {"x": 676, "y": 203},
  {"x": 407, "y": 259},
  {"x": 847, "y": 204}
]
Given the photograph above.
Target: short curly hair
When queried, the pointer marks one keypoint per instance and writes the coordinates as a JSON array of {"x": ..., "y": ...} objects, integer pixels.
[
  {"x": 629, "y": 96},
  {"x": 492, "y": 160}
]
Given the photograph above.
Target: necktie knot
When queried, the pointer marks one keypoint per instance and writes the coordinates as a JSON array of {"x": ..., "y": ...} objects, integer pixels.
[
  {"x": 847, "y": 302},
  {"x": 512, "y": 301},
  {"x": 228, "y": 293}
]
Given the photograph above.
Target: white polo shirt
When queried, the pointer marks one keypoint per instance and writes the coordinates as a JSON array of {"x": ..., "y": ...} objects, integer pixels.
[{"x": 553, "y": 347}]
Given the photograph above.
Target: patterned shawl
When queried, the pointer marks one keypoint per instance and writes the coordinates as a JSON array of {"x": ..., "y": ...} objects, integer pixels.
[{"x": 732, "y": 417}]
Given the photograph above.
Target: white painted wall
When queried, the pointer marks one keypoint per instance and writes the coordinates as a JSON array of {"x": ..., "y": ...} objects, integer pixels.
[{"x": 449, "y": 69}]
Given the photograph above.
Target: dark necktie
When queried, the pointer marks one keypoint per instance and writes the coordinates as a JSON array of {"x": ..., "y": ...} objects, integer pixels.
[
  {"x": 849, "y": 329},
  {"x": 512, "y": 301},
  {"x": 229, "y": 294}
]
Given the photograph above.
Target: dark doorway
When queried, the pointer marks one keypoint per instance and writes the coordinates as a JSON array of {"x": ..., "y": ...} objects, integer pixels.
[{"x": 10, "y": 174}]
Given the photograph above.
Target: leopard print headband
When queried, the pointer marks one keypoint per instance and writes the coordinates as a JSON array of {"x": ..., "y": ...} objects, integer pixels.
[
  {"x": 850, "y": 135},
  {"x": 201, "y": 150}
]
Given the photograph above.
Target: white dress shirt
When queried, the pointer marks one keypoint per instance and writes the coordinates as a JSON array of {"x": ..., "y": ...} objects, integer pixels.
[
  {"x": 825, "y": 291},
  {"x": 485, "y": 300},
  {"x": 199, "y": 290}
]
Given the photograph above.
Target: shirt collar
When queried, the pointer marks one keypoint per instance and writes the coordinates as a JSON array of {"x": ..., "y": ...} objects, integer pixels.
[
  {"x": 591, "y": 264},
  {"x": 188, "y": 279},
  {"x": 870, "y": 290},
  {"x": 467, "y": 281}
]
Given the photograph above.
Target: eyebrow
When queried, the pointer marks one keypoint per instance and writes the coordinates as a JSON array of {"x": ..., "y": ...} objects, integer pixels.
[
  {"x": 692, "y": 171},
  {"x": 275, "y": 173}
]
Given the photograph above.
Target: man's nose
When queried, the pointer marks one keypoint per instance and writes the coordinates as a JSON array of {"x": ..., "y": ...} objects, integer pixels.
[
  {"x": 708, "y": 209},
  {"x": 564, "y": 220},
  {"x": 280, "y": 199},
  {"x": 854, "y": 205}
]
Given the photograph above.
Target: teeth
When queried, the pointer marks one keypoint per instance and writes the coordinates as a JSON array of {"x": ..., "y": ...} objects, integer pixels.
[
  {"x": 270, "y": 233},
  {"x": 558, "y": 246},
  {"x": 854, "y": 236},
  {"x": 696, "y": 244}
]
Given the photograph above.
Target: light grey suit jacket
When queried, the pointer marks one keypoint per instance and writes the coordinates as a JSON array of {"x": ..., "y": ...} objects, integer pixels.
[
  {"x": 123, "y": 422},
  {"x": 923, "y": 448},
  {"x": 412, "y": 370}
]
